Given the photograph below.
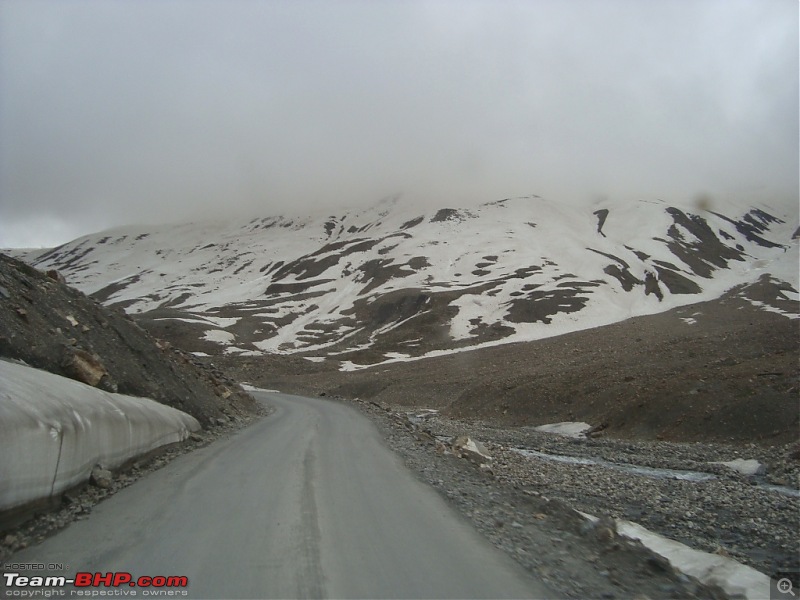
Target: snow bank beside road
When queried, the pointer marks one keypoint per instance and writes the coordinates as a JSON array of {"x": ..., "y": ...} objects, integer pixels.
[
  {"x": 54, "y": 430},
  {"x": 732, "y": 576}
]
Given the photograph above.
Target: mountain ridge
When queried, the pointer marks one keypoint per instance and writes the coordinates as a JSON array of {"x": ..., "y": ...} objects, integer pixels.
[{"x": 388, "y": 283}]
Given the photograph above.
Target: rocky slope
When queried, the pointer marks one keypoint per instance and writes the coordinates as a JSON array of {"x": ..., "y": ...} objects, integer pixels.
[{"x": 51, "y": 326}]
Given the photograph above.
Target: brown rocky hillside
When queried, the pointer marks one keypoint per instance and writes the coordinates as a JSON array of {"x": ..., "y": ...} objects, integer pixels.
[{"x": 54, "y": 327}]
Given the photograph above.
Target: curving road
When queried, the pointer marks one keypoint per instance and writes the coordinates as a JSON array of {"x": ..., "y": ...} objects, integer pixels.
[{"x": 306, "y": 503}]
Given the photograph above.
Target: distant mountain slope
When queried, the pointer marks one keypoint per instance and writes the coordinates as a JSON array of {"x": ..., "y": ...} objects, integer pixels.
[
  {"x": 721, "y": 370},
  {"x": 387, "y": 284}
]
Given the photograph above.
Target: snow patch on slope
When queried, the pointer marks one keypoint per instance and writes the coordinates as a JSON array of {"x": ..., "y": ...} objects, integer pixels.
[
  {"x": 219, "y": 336},
  {"x": 573, "y": 429}
]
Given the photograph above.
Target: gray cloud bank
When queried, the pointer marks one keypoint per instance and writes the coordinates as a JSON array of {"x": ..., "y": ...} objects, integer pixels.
[{"x": 116, "y": 112}]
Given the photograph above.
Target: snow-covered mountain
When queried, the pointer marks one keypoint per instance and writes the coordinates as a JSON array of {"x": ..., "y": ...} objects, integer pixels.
[{"x": 389, "y": 283}]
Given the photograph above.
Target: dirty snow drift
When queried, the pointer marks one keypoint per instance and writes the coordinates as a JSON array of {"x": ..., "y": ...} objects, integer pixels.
[{"x": 54, "y": 430}]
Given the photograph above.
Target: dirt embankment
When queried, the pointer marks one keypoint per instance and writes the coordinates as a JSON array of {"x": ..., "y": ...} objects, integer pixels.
[
  {"x": 54, "y": 327},
  {"x": 715, "y": 371}
]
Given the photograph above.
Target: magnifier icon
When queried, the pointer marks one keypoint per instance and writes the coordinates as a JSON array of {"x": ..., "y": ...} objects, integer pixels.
[{"x": 785, "y": 587}]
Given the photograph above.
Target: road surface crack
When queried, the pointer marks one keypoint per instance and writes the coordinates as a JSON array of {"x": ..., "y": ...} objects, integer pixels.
[{"x": 309, "y": 574}]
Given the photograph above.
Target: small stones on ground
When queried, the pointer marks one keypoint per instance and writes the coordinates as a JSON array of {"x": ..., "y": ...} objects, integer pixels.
[
  {"x": 527, "y": 504},
  {"x": 101, "y": 477}
]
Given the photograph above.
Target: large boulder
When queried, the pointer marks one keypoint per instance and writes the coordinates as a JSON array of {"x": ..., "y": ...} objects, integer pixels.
[
  {"x": 475, "y": 452},
  {"x": 87, "y": 368}
]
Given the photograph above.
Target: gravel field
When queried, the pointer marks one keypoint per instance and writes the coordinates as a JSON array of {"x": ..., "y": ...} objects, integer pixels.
[
  {"x": 522, "y": 503},
  {"x": 731, "y": 513}
]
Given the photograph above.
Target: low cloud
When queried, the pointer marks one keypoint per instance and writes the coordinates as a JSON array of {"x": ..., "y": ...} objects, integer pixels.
[{"x": 126, "y": 112}]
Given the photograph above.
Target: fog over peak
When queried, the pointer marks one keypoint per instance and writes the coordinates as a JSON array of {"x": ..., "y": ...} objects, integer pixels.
[{"x": 122, "y": 112}]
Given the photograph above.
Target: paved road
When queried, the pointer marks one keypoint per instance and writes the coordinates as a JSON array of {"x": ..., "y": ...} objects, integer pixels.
[{"x": 306, "y": 503}]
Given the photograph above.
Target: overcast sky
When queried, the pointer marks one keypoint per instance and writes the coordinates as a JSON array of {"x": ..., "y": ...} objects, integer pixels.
[{"x": 145, "y": 111}]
